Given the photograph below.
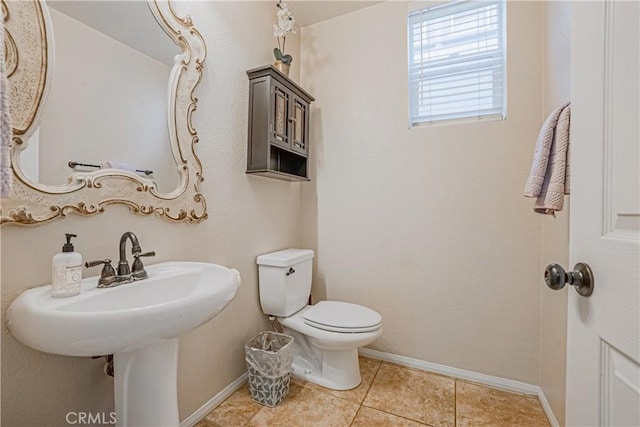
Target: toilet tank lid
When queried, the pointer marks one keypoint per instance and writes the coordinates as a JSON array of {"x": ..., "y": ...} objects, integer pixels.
[{"x": 285, "y": 258}]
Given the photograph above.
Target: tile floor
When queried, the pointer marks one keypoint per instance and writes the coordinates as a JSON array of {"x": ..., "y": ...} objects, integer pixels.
[{"x": 389, "y": 395}]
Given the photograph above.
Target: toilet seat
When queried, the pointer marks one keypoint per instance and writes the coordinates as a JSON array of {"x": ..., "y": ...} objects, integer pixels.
[{"x": 337, "y": 316}]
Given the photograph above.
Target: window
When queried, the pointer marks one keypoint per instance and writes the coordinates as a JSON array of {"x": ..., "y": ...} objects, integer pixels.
[{"x": 457, "y": 61}]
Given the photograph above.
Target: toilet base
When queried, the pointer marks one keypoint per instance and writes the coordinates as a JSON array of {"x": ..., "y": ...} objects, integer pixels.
[
  {"x": 334, "y": 369},
  {"x": 340, "y": 370}
]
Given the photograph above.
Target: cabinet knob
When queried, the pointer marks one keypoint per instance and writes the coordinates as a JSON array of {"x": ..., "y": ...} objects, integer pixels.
[{"x": 292, "y": 119}]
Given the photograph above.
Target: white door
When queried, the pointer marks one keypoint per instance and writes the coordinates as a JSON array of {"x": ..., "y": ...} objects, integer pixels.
[{"x": 603, "y": 350}]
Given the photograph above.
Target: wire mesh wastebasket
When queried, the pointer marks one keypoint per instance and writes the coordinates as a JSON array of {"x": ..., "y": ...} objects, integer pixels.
[{"x": 269, "y": 356}]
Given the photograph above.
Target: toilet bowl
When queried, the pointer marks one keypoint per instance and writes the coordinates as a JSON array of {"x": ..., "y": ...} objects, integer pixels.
[
  {"x": 326, "y": 335},
  {"x": 324, "y": 356}
]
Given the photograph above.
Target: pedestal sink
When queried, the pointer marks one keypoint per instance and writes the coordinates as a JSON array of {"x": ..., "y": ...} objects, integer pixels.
[{"x": 139, "y": 323}]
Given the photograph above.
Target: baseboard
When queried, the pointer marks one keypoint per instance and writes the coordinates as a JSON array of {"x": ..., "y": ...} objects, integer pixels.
[
  {"x": 202, "y": 412},
  {"x": 463, "y": 374},
  {"x": 547, "y": 409}
]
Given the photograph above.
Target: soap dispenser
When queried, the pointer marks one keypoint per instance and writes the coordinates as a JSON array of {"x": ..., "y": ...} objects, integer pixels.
[{"x": 67, "y": 271}]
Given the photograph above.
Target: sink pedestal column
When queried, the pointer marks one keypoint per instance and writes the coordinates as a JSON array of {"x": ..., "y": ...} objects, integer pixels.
[{"x": 146, "y": 392}]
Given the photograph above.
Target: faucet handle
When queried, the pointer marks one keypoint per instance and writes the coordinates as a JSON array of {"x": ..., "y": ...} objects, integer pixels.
[
  {"x": 138, "y": 272},
  {"x": 107, "y": 275},
  {"x": 151, "y": 253}
]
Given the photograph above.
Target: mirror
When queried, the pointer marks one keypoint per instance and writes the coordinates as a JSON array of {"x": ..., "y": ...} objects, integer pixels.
[
  {"x": 116, "y": 106},
  {"x": 125, "y": 68}
]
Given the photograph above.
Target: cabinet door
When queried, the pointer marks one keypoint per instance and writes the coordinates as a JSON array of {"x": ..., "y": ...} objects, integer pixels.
[
  {"x": 279, "y": 123},
  {"x": 299, "y": 122}
]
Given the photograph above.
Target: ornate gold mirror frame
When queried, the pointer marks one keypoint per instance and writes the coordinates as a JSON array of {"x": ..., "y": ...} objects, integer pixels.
[{"x": 27, "y": 27}]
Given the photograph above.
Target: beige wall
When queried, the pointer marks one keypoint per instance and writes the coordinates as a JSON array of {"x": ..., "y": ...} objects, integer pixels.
[
  {"x": 247, "y": 216},
  {"x": 425, "y": 225},
  {"x": 555, "y": 231}
]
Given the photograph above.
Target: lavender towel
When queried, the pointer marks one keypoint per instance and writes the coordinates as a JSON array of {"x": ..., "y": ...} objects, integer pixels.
[{"x": 548, "y": 180}]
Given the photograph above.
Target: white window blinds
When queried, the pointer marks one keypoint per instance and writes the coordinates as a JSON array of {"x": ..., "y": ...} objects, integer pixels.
[{"x": 457, "y": 61}]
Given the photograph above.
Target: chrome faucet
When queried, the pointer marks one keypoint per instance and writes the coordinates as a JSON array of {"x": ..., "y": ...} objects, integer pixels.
[
  {"x": 125, "y": 274},
  {"x": 109, "y": 278}
]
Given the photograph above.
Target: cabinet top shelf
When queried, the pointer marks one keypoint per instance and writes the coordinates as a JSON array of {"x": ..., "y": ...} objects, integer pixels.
[{"x": 270, "y": 70}]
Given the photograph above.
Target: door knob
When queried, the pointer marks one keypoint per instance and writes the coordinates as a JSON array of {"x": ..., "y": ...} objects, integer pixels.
[{"x": 581, "y": 278}]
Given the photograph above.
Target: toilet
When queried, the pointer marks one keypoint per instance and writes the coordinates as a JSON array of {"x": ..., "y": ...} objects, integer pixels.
[{"x": 326, "y": 335}]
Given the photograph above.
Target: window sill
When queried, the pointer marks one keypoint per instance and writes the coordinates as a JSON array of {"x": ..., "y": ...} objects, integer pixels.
[{"x": 460, "y": 121}]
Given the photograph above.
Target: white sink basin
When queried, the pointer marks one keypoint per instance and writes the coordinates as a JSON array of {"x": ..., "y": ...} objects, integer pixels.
[
  {"x": 176, "y": 298},
  {"x": 138, "y": 323}
]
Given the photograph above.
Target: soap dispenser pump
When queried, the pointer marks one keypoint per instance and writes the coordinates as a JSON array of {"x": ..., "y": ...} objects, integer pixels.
[{"x": 67, "y": 271}]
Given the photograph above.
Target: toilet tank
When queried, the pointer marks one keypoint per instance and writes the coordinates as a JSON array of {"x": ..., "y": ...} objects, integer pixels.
[{"x": 284, "y": 281}]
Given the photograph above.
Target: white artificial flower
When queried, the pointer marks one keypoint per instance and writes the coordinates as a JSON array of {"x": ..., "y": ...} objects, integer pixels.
[
  {"x": 286, "y": 21},
  {"x": 283, "y": 8},
  {"x": 288, "y": 25},
  {"x": 277, "y": 31},
  {"x": 285, "y": 25}
]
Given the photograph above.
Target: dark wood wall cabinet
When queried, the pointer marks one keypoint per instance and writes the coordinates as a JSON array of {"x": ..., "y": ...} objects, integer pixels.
[{"x": 278, "y": 126}]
